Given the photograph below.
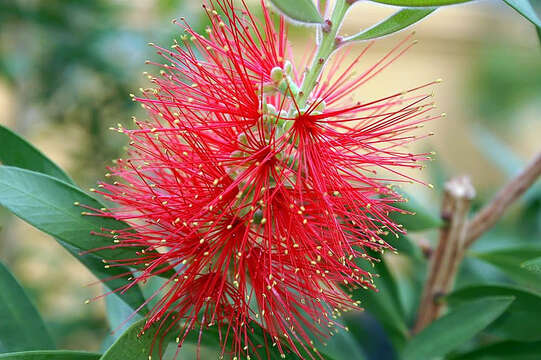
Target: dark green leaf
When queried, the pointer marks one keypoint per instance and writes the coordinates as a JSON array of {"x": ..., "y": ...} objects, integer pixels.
[
  {"x": 421, "y": 219},
  {"x": 50, "y": 355},
  {"x": 533, "y": 265},
  {"x": 49, "y": 205},
  {"x": 505, "y": 350},
  {"x": 299, "y": 10},
  {"x": 19, "y": 153},
  {"x": 525, "y": 8},
  {"x": 396, "y": 22},
  {"x": 509, "y": 260},
  {"x": 455, "y": 328},
  {"x": 420, "y": 3},
  {"x": 520, "y": 321},
  {"x": 16, "y": 151},
  {"x": 136, "y": 346},
  {"x": 384, "y": 304},
  {"x": 21, "y": 326}
]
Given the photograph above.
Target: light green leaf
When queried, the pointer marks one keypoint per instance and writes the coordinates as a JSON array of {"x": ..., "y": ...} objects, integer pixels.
[
  {"x": 521, "y": 319},
  {"x": 299, "y": 10},
  {"x": 396, "y": 22},
  {"x": 420, "y": 219},
  {"x": 509, "y": 260},
  {"x": 525, "y": 8},
  {"x": 16, "y": 151},
  {"x": 118, "y": 313},
  {"x": 420, "y": 3},
  {"x": 21, "y": 326},
  {"x": 455, "y": 328},
  {"x": 50, "y": 355},
  {"x": 505, "y": 350},
  {"x": 533, "y": 265}
]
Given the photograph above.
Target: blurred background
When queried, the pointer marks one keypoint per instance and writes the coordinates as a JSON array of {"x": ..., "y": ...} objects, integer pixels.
[{"x": 67, "y": 68}]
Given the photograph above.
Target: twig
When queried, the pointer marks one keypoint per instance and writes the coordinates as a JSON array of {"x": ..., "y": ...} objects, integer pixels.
[
  {"x": 448, "y": 254},
  {"x": 492, "y": 212}
]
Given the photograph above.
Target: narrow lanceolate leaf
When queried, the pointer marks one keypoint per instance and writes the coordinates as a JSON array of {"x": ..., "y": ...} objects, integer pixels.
[
  {"x": 16, "y": 151},
  {"x": 50, "y": 355},
  {"x": 521, "y": 320},
  {"x": 52, "y": 206},
  {"x": 420, "y": 3},
  {"x": 21, "y": 326},
  {"x": 134, "y": 345},
  {"x": 533, "y": 265},
  {"x": 384, "y": 304},
  {"x": 299, "y": 10},
  {"x": 119, "y": 315},
  {"x": 455, "y": 328},
  {"x": 505, "y": 350},
  {"x": 396, "y": 22},
  {"x": 509, "y": 261},
  {"x": 525, "y": 8}
]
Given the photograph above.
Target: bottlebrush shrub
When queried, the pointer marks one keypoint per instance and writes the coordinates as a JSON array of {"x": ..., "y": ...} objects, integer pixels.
[{"x": 260, "y": 198}]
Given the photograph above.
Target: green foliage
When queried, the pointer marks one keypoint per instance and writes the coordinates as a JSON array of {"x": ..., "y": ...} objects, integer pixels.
[
  {"x": 525, "y": 8},
  {"x": 303, "y": 11},
  {"x": 50, "y": 355},
  {"x": 520, "y": 321},
  {"x": 422, "y": 218},
  {"x": 420, "y": 3},
  {"x": 509, "y": 260},
  {"x": 21, "y": 326},
  {"x": 455, "y": 328},
  {"x": 17, "y": 152},
  {"x": 533, "y": 265},
  {"x": 505, "y": 350},
  {"x": 396, "y": 22}
]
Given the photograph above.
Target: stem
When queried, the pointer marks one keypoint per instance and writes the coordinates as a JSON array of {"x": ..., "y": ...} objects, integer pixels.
[
  {"x": 448, "y": 255},
  {"x": 492, "y": 212},
  {"x": 324, "y": 51}
]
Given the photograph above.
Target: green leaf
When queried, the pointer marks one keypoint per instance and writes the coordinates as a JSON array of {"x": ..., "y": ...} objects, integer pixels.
[
  {"x": 396, "y": 22},
  {"x": 509, "y": 260},
  {"x": 48, "y": 204},
  {"x": 17, "y": 152},
  {"x": 521, "y": 319},
  {"x": 455, "y": 328},
  {"x": 299, "y": 10},
  {"x": 384, "y": 304},
  {"x": 420, "y": 3},
  {"x": 133, "y": 346},
  {"x": 420, "y": 219},
  {"x": 21, "y": 326},
  {"x": 20, "y": 153},
  {"x": 525, "y": 8},
  {"x": 50, "y": 355},
  {"x": 533, "y": 265},
  {"x": 118, "y": 313},
  {"x": 505, "y": 350}
]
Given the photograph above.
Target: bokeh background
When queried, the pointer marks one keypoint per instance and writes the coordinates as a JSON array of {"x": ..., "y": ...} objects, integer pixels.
[{"x": 67, "y": 68}]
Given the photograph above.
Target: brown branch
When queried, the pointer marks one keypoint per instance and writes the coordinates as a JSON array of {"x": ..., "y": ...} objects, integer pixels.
[
  {"x": 445, "y": 260},
  {"x": 492, "y": 212}
]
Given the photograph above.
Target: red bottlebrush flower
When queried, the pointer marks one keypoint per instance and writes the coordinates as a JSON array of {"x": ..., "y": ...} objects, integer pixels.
[{"x": 260, "y": 206}]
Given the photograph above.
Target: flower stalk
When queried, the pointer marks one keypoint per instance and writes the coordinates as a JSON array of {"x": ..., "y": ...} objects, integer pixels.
[{"x": 329, "y": 43}]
